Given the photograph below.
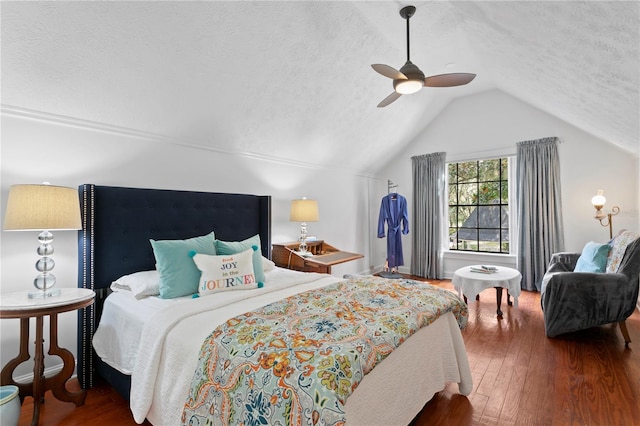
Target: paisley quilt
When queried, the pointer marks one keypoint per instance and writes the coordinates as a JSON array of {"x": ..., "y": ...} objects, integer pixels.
[{"x": 296, "y": 361}]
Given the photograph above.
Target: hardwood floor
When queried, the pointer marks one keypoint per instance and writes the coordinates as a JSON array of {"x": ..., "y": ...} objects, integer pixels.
[{"x": 520, "y": 377}]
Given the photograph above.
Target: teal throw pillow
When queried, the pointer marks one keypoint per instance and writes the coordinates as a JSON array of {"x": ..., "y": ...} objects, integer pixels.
[
  {"x": 179, "y": 276},
  {"x": 233, "y": 247},
  {"x": 593, "y": 258}
]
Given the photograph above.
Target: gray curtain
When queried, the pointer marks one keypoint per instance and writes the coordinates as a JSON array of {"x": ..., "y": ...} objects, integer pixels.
[
  {"x": 428, "y": 213},
  {"x": 539, "y": 208}
]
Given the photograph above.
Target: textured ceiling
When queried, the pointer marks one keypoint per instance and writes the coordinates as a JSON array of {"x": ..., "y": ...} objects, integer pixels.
[{"x": 292, "y": 80}]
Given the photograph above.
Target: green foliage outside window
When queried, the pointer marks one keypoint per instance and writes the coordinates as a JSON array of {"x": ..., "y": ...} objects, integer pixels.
[{"x": 479, "y": 205}]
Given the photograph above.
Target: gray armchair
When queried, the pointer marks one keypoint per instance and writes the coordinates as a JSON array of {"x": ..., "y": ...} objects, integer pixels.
[{"x": 573, "y": 301}]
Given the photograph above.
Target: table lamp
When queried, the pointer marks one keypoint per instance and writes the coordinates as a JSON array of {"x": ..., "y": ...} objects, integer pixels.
[
  {"x": 44, "y": 208},
  {"x": 304, "y": 211}
]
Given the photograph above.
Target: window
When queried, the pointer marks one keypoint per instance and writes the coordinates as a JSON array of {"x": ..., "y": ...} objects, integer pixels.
[{"x": 479, "y": 206}]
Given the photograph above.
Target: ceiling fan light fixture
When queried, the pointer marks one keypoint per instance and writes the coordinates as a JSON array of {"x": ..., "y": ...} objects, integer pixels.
[
  {"x": 407, "y": 87},
  {"x": 409, "y": 79}
]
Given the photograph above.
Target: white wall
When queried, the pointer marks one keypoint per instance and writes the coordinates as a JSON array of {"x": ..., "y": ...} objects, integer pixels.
[
  {"x": 70, "y": 153},
  {"x": 490, "y": 124}
]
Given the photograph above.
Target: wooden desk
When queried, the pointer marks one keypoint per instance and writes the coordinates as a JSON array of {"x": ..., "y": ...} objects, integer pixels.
[
  {"x": 324, "y": 256},
  {"x": 18, "y": 305}
]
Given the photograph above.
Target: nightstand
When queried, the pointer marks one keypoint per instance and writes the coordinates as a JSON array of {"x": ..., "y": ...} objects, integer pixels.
[
  {"x": 324, "y": 256},
  {"x": 18, "y": 305}
]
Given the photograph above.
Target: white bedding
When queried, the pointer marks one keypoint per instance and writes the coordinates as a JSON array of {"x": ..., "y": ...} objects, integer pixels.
[
  {"x": 167, "y": 343},
  {"x": 117, "y": 338}
]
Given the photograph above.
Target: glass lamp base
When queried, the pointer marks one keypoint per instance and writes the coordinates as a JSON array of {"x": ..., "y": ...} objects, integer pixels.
[{"x": 50, "y": 292}]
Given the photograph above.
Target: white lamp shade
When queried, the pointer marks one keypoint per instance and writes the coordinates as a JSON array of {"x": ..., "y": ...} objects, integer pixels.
[
  {"x": 304, "y": 211},
  {"x": 42, "y": 207},
  {"x": 599, "y": 199}
]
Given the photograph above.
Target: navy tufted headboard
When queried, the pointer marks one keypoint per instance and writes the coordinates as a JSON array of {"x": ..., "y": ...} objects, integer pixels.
[{"x": 118, "y": 223}]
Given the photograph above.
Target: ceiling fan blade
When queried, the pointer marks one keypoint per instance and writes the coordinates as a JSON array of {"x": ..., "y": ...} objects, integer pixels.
[
  {"x": 389, "y": 99},
  {"x": 388, "y": 71},
  {"x": 448, "y": 80}
]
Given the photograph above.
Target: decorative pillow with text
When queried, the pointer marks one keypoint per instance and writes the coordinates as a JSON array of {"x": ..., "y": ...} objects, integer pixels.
[
  {"x": 232, "y": 247},
  {"x": 226, "y": 272}
]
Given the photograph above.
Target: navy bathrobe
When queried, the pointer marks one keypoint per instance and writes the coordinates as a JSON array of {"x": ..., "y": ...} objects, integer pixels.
[{"x": 393, "y": 212}]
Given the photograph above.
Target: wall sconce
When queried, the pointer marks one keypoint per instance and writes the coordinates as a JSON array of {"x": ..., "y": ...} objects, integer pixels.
[
  {"x": 598, "y": 202},
  {"x": 304, "y": 211}
]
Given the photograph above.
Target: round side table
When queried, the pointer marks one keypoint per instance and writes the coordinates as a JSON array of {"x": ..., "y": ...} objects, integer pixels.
[
  {"x": 470, "y": 283},
  {"x": 18, "y": 305}
]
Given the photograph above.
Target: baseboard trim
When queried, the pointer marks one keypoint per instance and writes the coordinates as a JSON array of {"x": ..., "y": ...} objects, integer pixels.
[{"x": 48, "y": 372}]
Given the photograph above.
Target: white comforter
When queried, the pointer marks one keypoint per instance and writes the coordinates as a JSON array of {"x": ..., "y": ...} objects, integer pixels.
[{"x": 167, "y": 345}]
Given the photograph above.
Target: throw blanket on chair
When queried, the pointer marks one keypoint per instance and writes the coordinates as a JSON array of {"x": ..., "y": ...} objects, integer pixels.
[{"x": 297, "y": 360}]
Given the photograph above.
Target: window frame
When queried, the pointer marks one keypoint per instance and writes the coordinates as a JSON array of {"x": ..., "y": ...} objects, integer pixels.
[{"x": 510, "y": 201}]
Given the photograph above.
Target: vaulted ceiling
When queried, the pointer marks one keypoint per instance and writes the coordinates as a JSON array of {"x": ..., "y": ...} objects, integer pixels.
[{"x": 292, "y": 80}]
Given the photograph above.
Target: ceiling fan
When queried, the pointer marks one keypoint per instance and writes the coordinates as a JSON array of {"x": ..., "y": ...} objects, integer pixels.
[{"x": 410, "y": 79}]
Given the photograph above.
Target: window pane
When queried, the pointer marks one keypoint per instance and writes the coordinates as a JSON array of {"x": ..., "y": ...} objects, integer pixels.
[
  {"x": 505, "y": 192},
  {"x": 453, "y": 175},
  {"x": 453, "y": 195},
  {"x": 468, "y": 194},
  {"x": 490, "y": 246},
  {"x": 489, "y": 170},
  {"x": 489, "y": 235},
  {"x": 453, "y": 217},
  {"x": 489, "y": 217},
  {"x": 453, "y": 242},
  {"x": 468, "y": 172},
  {"x": 504, "y": 174},
  {"x": 467, "y": 239},
  {"x": 467, "y": 217},
  {"x": 489, "y": 193},
  {"x": 504, "y": 212}
]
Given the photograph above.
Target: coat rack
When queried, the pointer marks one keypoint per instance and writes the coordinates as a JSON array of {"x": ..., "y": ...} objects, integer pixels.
[{"x": 390, "y": 186}]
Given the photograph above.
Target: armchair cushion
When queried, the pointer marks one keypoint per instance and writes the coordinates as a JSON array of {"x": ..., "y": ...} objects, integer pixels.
[{"x": 573, "y": 301}]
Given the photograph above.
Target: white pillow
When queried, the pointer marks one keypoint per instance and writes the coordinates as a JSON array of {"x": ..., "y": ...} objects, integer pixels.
[
  {"x": 226, "y": 272},
  {"x": 141, "y": 284},
  {"x": 267, "y": 264}
]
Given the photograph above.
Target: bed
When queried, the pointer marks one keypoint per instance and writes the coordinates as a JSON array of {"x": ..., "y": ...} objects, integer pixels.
[{"x": 117, "y": 225}]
